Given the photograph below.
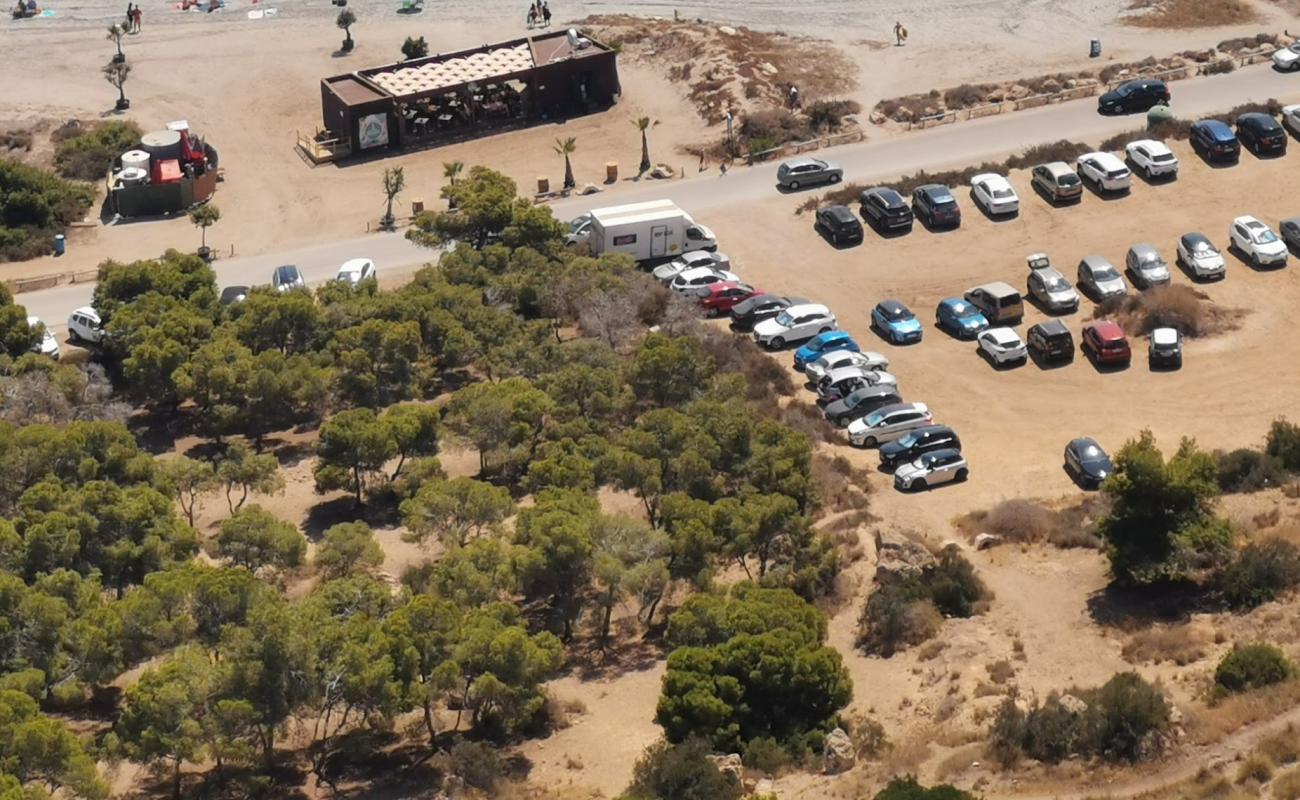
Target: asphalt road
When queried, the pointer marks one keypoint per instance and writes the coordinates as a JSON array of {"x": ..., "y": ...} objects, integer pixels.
[{"x": 938, "y": 148}]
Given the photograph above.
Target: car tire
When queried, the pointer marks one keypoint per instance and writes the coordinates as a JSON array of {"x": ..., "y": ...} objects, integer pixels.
[
  {"x": 919, "y": 485},
  {"x": 870, "y": 441},
  {"x": 794, "y": 186},
  {"x": 73, "y": 338},
  {"x": 833, "y": 179},
  {"x": 835, "y": 239},
  {"x": 777, "y": 343},
  {"x": 962, "y": 475}
]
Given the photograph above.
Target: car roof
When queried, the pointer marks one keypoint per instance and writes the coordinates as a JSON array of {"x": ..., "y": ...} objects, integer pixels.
[
  {"x": 1051, "y": 327},
  {"x": 1107, "y": 160},
  {"x": 1001, "y": 335},
  {"x": 1143, "y": 250},
  {"x": 945, "y": 452},
  {"x": 1165, "y": 335},
  {"x": 802, "y": 162},
  {"x": 892, "y": 306},
  {"x": 893, "y": 407},
  {"x": 1193, "y": 238},
  {"x": 1096, "y": 262},
  {"x": 935, "y": 189},
  {"x": 997, "y": 288},
  {"x": 994, "y": 180},
  {"x": 810, "y": 308},
  {"x": 958, "y": 304},
  {"x": 1257, "y": 118},
  {"x": 933, "y": 429},
  {"x": 1217, "y": 127},
  {"x": 1050, "y": 272},
  {"x": 845, "y": 372},
  {"x": 1057, "y": 168},
  {"x": 356, "y": 264},
  {"x": 1248, "y": 221},
  {"x": 1154, "y": 146},
  {"x": 1107, "y": 329},
  {"x": 286, "y": 269},
  {"x": 87, "y": 311},
  {"x": 1084, "y": 442},
  {"x": 696, "y": 272},
  {"x": 876, "y": 389},
  {"x": 840, "y": 212},
  {"x": 721, "y": 286}
]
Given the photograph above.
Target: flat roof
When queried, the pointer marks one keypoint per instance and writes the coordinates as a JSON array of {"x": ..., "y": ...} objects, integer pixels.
[{"x": 352, "y": 91}]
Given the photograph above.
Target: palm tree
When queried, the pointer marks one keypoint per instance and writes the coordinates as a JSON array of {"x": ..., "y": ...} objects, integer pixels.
[
  {"x": 345, "y": 21},
  {"x": 394, "y": 183},
  {"x": 116, "y": 73},
  {"x": 566, "y": 148},
  {"x": 451, "y": 170},
  {"x": 115, "y": 34},
  {"x": 644, "y": 124}
]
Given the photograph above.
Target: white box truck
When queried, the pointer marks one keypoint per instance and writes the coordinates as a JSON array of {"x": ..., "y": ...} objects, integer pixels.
[{"x": 652, "y": 231}]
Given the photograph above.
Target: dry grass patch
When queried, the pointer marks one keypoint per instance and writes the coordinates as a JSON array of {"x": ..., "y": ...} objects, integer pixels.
[
  {"x": 1173, "y": 306},
  {"x": 1287, "y": 785},
  {"x": 1176, "y": 644},
  {"x": 1212, "y": 724},
  {"x": 1032, "y": 522},
  {"x": 841, "y": 487},
  {"x": 1180, "y": 14},
  {"x": 1281, "y": 748}
]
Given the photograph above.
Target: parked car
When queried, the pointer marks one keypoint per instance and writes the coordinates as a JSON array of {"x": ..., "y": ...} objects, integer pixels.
[
  {"x": 999, "y": 302},
  {"x": 1106, "y": 172},
  {"x": 1146, "y": 266},
  {"x": 994, "y": 193},
  {"x": 1135, "y": 95},
  {"x": 1099, "y": 278},
  {"x": 846, "y": 380},
  {"x": 935, "y": 206},
  {"x": 287, "y": 277},
  {"x": 1257, "y": 242},
  {"x": 1049, "y": 287},
  {"x": 1261, "y": 134},
  {"x": 664, "y": 273},
  {"x": 823, "y": 343},
  {"x": 840, "y": 224},
  {"x": 1199, "y": 255},
  {"x": 932, "y": 469},
  {"x": 1165, "y": 348},
  {"x": 47, "y": 345},
  {"x": 747, "y": 313},
  {"x": 1290, "y": 230},
  {"x": 960, "y": 318},
  {"x": 832, "y": 360},
  {"x": 1057, "y": 181},
  {"x": 1215, "y": 141},
  {"x": 1003, "y": 346},
  {"x": 1105, "y": 343},
  {"x": 886, "y": 209},
  {"x": 917, "y": 442},
  {"x": 1153, "y": 158},
  {"x": 234, "y": 294},
  {"x": 579, "y": 230},
  {"x": 896, "y": 322},
  {"x": 84, "y": 326},
  {"x": 799, "y": 172},
  {"x": 861, "y": 403},
  {"x": 724, "y": 296},
  {"x": 355, "y": 270},
  {"x": 794, "y": 324},
  {"x": 1291, "y": 118},
  {"x": 1087, "y": 463},
  {"x": 696, "y": 282},
  {"x": 1051, "y": 341},
  {"x": 1288, "y": 58},
  {"x": 887, "y": 423}
]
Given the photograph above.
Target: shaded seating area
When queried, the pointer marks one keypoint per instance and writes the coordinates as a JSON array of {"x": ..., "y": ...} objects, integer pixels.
[{"x": 490, "y": 107}]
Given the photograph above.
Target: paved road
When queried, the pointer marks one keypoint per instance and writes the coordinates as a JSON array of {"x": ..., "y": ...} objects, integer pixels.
[{"x": 885, "y": 157}]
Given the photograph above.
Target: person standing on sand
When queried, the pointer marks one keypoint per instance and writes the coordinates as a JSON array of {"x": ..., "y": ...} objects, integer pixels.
[
  {"x": 546, "y": 15},
  {"x": 532, "y": 17},
  {"x": 130, "y": 16},
  {"x": 138, "y": 15},
  {"x": 900, "y": 34}
]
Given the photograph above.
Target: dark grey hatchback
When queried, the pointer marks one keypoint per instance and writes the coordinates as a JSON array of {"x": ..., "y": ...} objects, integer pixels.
[{"x": 840, "y": 224}]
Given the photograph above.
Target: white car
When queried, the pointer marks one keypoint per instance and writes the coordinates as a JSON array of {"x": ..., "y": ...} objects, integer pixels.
[
  {"x": 579, "y": 230},
  {"x": 845, "y": 380},
  {"x": 287, "y": 277},
  {"x": 1291, "y": 118},
  {"x": 935, "y": 467},
  {"x": 1288, "y": 58},
  {"x": 1105, "y": 171},
  {"x": 1154, "y": 158},
  {"x": 84, "y": 325},
  {"x": 356, "y": 270},
  {"x": 794, "y": 324},
  {"x": 887, "y": 423},
  {"x": 1257, "y": 242},
  {"x": 836, "y": 359},
  {"x": 1199, "y": 255},
  {"x": 1003, "y": 346},
  {"x": 994, "y": 193},
  {"x": 697, "y": 280},
  {"x": 48, "y": 345},
  {"x": 664, "y": 273}
]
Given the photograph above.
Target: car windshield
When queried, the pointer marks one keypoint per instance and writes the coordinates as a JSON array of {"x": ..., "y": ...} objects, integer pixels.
[
  {"x": 909, "y": 439},
  {"x": 941, "y": 198},
  {"x": 578, "y": 224},
  {"x": 1264, "y": 236},
  {"x": 1126, "y": 90},
  {"x": 1106, "y": 273},
  {"x": 1203, "y": 248},
  {"x": 784, "y": 319},
  {"x": 285, "y": 274}
]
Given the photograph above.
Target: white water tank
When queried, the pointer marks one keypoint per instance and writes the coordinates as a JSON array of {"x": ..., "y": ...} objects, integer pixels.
[
  {"x": 133, "y": 176},
  {"x": 135, "y": 159}
]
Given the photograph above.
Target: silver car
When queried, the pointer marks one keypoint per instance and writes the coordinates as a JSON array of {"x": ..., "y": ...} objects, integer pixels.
[
  {"x": 1099, "y": 278},
  {"x": 816, "y": 370},
  {"x": 887, "y": 423},
  {"x": 931, "y": 469},
  {"x": 799, "y": 172},
  {"x": 846, "y": 380},
  {"x": 1052, "y": 290},
  {"x": 1199, "y": 255},
  {"x": 1146, "y": 266},
  {"x": 664, "y": 273},
  {"x": 287, "y": 277}
]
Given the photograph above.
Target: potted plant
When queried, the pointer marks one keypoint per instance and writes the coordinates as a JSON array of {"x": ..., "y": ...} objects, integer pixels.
[
  {"x": 116, "y": 73},
  {"x": 345, "y": 21},
  {"x": 115, "y": 34},
  {"x": 202, "y": 217}
]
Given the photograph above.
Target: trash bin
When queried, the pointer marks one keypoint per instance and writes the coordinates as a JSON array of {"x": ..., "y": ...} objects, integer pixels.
[
  {"x": 417, "y": 205},
  {"x": 1094, "y": 48},
  {"x": 59, "y": 245},
  {"x": 543, "y": 185},
  {"x": 611, "y": 171}
]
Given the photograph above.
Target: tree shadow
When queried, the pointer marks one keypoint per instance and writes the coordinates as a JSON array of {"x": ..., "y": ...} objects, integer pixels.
[
  {"x": 158, "y": 431},
  {"x": 1130, "y": 607},
  {"x": 326, "y": 514},
  {"x": 620, "y": 655}
]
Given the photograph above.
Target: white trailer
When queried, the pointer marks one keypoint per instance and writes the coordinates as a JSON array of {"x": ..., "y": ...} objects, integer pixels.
[{"x": 651, "y": 231}]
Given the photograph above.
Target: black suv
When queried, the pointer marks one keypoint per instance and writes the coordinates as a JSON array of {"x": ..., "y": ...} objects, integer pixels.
[
  {"x": 1261, "y": 133},
  {"x": 915, "y": 443},
  {"x": 936, "y": 206},
  {"x": 1051, "y": 341},
  {"x": 886, "y": 209},
  {"x": 840, "y": 224},
  {"x": 753, "y": 310},
  {"x": 1136, "y": 95}
]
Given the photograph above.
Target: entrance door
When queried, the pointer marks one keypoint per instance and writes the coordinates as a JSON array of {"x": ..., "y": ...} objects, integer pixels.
[{"x": 658, "y": 241}]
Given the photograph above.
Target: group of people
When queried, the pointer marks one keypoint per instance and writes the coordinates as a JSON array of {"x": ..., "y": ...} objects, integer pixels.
[
  {"x": 133, "y": 15},
  {"x": 27, "y": 9},
  {"x": 539, "y": 14}
]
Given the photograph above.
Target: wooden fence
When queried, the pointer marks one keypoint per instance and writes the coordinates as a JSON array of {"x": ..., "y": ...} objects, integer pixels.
[{"x": 794, "y": 148}]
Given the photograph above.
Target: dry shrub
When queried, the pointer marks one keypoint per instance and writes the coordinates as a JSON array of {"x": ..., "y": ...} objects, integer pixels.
[
  {"x": 1292, "y": 490},
  {"x": 1256, "y": 768},
  {"x": 808, "y": 420},
  {"x": 1001, "y": 671},
  {"x": 1060, "y": 150},
  {"x": 1179, "y": 644},
  {"x": 765, "y": 377},
  {"x": 968, "y": 95},
  {"x": 1028, "y": 522},
  {"x": 1240, "y": 43},
  {"x": 931, "y": 650},
  {"x": 1172, "y": 306},
  {"x": 761, "y": 130},
  {"x": 841, "y": 487},
  {"x": 16, "y": 140},
  {"x": 1267, "y": 519},
  {"x": 1213, "y": 724},
  {"x": 830, "y": 115},
  {"x": 1281, "y": 748},
  {"x": 1287, "y": 785},
  {"x": 948, "y": 708},
  {"x": 983, "y": 689},
  {"x": 1176, "y": 14}
]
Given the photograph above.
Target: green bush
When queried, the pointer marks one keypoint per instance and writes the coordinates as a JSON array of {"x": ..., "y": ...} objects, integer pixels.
[
  {"x": 765, "y": 755},
  {"x": 906, "y": 612},
  {"x": 1283, "y": 443},
  {"x": 908, "y": 789},
  {"x": 1251, "y": 667},
  {"x": 478, "y": 764},
  {"x": 34, "y": 206},
  {"x": 1246, "y": 470},
  {"x": 680, "y": 772},
  {"x": 828, "y": 115},
  {"x": 1259, "y": 573},
  {"x": 88, "y": 153}
]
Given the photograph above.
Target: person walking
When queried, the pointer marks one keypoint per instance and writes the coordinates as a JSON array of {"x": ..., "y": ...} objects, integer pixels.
[
  {"x": 130, "y": 16},
  {"x": 532, "y": 17},
  {"x": 138, "y": 15},
  {"x": 546, "y": 15},
  {"x": 900, "y": 34}
]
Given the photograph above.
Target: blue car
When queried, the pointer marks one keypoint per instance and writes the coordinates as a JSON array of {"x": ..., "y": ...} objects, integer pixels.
[
  {"x": 1215, "y": 140},
  {"x": 823, "y": 343},
  {"x": 959, "y": 318},
  {"x": 896, "y": 322}
]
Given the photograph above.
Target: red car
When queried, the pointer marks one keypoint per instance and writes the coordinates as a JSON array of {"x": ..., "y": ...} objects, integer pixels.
[
  {"x": 1105, "y": 343},
  {"x": 725, "y": 295}
]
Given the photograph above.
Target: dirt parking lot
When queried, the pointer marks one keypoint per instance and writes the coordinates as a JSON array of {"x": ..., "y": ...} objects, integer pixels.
[{"x": 1014, "y": 423}]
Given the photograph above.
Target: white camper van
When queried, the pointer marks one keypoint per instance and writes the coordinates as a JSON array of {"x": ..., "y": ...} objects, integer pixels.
[{"x": 653, "y": 231}]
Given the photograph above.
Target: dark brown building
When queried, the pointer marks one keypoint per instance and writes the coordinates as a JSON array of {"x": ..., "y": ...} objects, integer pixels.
[{"x": 454, "y": 96}]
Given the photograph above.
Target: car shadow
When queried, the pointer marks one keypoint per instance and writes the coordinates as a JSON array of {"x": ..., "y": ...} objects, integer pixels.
[
  {"x": 995, "y": 218},
  {"x": 1274, "y": 156},
  {"x": 826, "y": 237},
  {"x": 1041, "y": 306},
  {"x": 1054, "y": 364},
  {"x": 1214, "y": 163},
  {"x": 1104, "y": 195},
  {"x": 1158, "y": 180},
  {"x": 988, "y": 359},
  {"x": 1106, "y": 369},
  {"x": 936, "y": 229},
  {"x": 885, "y": 233},
  {"x": 1245, "y": 261},
  {"x": 1191, "y": 275},
  {"x": 1162, "y": 366},
  {"x": 1052, "y": 201}
]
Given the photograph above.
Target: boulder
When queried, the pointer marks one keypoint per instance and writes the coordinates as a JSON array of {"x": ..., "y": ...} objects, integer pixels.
[
  {"x": 767, "y": 68},
  {"x": 729, "y": 765},
  {"x": 661, "y": 171},
  {"x": 726, "y": 30},
  {"x": 838, "y": 752},
  {"x": 590, "y": 188},
  {"x": 986, "y": 540},
  {"x": 1018, "y": 92},
  {"x": 898, "y": 555},
  {"x": 1072, "y": 704},
  {"x": 764, "y": 788}
]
